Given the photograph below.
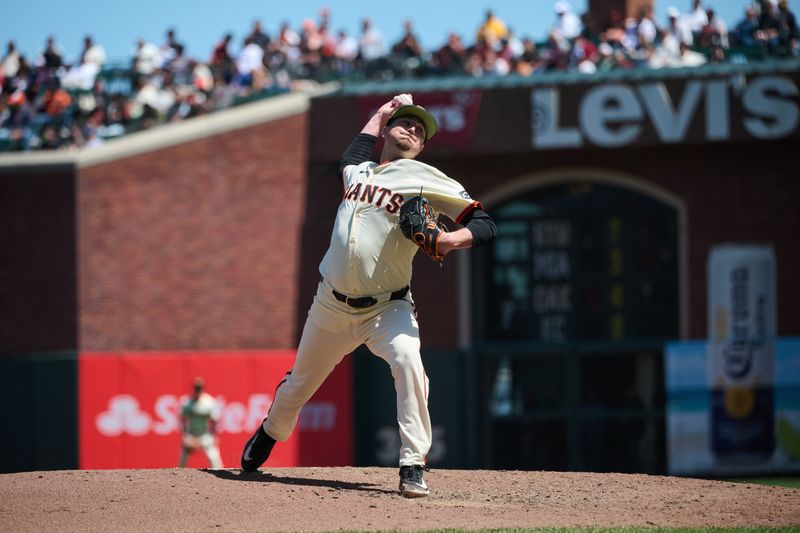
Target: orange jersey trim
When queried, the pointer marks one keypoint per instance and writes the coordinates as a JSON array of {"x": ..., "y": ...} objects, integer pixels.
[{"x": 467, "y": 210}]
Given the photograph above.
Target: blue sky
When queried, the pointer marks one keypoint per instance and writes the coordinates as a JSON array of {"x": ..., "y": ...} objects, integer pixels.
[{"x": 200, "y": 23}]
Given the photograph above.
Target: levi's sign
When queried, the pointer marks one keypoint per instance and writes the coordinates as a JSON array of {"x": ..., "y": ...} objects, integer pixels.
[{"x": 696, "y": 110}]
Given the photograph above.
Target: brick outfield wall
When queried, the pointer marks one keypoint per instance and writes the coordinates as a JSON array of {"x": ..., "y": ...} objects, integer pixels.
[{"x": 194, "y": 246}]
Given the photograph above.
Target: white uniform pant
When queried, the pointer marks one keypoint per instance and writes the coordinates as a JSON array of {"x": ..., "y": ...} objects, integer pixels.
[
  {"x": 333, "y": 329},
  {"x": 209, "y": 445}
]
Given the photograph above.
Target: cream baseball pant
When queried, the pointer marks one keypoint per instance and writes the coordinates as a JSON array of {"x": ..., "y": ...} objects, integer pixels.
[
  {"x": 333, "y": 329},
  {"x": 209, "y": 444}
]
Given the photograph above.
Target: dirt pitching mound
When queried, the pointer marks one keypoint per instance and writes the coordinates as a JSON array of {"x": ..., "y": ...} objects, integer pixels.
[{"x": 353, "y": 498}]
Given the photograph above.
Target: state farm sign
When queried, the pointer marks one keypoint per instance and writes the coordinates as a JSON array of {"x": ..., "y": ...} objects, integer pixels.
[
  {"x": 126, "y": 414},
  {"x": 129, "y": 408},
  {"x": 695, "y": 110}
]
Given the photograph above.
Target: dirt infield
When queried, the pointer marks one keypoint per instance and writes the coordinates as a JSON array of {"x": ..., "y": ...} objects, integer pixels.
[{"x": 330, "y": 499}]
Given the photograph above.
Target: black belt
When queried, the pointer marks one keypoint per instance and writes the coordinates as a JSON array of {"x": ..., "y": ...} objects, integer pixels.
[{"x": 368, "y": 301}]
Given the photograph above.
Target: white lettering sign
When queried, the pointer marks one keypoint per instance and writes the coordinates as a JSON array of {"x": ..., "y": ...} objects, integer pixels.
[
  {"x": 125, "y": 414},
  {"x": 614, "y": 115},
  {"x": 773, "y": 102},
  {"x": 610, "y": 115}
]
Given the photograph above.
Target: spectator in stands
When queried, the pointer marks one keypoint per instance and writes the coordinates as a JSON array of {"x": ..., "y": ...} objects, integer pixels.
[
  {"x": 55, "y": 100},
  {"x": 82, "y": 76},
  {"x": 169, "y": 47},
  {"x": 371, "y": 51},
  {"x": 646, "y": 29},
  {"x": 614, "y": 29},
  {"x": 223, "y": 94},
  {"x": 327, "y": 50},
  {"x": 745, "y": 31},
  {"x": 715, "y": 33},
  {"x": 51, "y": 57},
  {"x": 696, "y": 19},
  {"x": 10, "y": 63},
  {"x": 181, "y": 67},
  {"x": 492, "y": 30},
  {"x": 451, "y": 56},
  {"x": 93, "y": 53},
  {"x": 221, "y": 60},
  {"x": 258, "y": 36},
  {"x": 630, "y": 41},
  {"x": 148, "y": 102},
  {"x": 605, "y": 61},
  {"x": 146, "y": 58},
  {"x": 526, "y": 63},
  {"x": 556, "y": 54},
  {"x": 285, "y": 49},
  {"x": 202, "y": 77},
  {"x": 493, "y": 64},
  {"x": 17, "y": 119},
  {"x": 249, "y": 62},
  {"x": 406, "y": 54},
  {"x": 529, "y": 52},
  {"x": 473, "y": 64},
  {"x": 584, "y": 56},
  {"x": 567, "y": 24},
  {"x": 310, "y": 47},
  {"x": 504, "y": 53},
  {"x": 515, "y": 45},
  {"x": 769, "y": 26},
  {"x": 346, "y": 52},
  {"x": 408, "y": 46},
  {"x": 288, "y": 39},
  {"x": 787, "y": 27},
  {"x": 370, "y": 44},
  {"x": 677, "y": 28}
]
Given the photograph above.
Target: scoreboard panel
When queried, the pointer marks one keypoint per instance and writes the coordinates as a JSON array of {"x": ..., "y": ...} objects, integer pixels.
[{"x": 583, "y": 261}]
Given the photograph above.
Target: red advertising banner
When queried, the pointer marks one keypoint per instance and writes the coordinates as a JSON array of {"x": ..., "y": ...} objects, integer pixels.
[
  {"x": 129, "y": 408},
  {"x": 456, "y": 114}
]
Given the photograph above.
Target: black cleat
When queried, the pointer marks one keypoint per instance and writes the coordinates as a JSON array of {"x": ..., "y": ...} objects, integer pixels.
[
  {"x": 256, "y": 450},
  {"x": 412, "y": 484}
]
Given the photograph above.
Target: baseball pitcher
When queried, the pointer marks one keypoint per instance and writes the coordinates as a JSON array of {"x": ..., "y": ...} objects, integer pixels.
[{"x": 389, "y": 211}]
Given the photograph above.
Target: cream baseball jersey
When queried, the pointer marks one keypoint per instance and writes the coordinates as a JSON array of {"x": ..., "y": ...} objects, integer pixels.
[
  {"x": 198, "y": 412},
  {"x": 368, "y": 254}
]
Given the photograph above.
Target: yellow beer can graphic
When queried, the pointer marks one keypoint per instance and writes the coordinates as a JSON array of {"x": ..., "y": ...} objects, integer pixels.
[{"x": 741, "y": 336}]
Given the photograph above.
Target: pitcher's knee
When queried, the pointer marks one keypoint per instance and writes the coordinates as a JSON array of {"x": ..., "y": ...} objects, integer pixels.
[{"x": 406, "y": 361}]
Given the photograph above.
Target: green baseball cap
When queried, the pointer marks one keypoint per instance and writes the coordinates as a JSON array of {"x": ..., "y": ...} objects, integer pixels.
[{"x": 419, "y": 112}]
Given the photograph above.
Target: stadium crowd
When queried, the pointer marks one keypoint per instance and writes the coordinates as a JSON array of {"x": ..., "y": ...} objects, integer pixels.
[{"x": 50, "y": 103}]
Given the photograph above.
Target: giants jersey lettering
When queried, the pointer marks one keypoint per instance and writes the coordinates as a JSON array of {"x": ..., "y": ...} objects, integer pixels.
[{"x": 368, "y": 254}]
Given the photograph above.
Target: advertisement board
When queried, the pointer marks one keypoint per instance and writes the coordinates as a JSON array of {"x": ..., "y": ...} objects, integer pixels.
[
  {"x": 129, "y": 408},
  {"x": 666, "y": 111},
  {"x": 690, "y": 445}
]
